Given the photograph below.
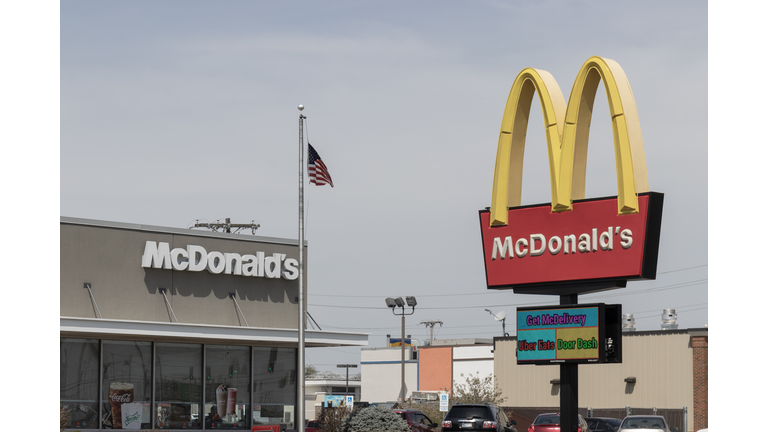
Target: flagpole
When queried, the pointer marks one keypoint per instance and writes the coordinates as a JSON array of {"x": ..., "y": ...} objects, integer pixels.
[{"x": 299, "y": 426}]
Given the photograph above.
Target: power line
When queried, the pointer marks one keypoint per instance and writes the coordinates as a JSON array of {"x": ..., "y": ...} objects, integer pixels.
[
  {"x": 678, "y": 309},
  {"x": 621, "y": 294},
  {"x": 683, "y": 269},
  {"x": 653, "y": 289},
  {"x": 480, "y": 293}
]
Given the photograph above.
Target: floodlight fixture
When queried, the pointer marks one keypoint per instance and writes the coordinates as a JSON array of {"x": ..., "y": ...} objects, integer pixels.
[
  {"x": 411, "y": 301},
  {"x": 391, "y": 302},
  {"x": 400, "y": 302}
]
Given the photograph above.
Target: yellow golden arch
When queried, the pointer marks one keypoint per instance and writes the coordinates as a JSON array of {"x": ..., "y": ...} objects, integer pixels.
[{"x": 567, "y": 132}]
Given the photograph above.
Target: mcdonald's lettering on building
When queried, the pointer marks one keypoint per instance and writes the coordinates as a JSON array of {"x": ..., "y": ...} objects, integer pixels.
[{"x": 571, "y": 245}]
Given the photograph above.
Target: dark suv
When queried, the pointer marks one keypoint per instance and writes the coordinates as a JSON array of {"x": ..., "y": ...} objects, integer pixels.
[{"x": 477, "y": 417}]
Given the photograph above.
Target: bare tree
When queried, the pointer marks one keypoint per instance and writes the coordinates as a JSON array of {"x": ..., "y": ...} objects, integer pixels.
[
  {"x": 477, "y": 391},
  {"x": 332, "y": 418},
  {"x": 310, "y": 371}
]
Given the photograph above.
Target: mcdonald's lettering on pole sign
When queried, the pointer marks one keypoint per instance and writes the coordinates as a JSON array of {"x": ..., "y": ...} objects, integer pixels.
[
  {"x": 591, "y": 242},
  {"x": 572, "y": 245}
]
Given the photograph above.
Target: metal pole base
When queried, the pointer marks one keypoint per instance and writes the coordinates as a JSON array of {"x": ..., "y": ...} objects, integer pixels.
[{"x": 569, "y": 385}]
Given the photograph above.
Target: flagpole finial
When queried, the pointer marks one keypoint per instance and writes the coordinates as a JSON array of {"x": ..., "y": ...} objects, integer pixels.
[{"x": 301, "y": 107}]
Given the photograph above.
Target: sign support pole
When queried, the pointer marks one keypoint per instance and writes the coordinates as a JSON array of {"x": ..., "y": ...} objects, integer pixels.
[{"x": 569, "y": 384}]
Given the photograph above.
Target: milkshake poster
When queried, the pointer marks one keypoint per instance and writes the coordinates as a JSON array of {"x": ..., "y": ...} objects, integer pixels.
[{"x": 221, "y": 400}]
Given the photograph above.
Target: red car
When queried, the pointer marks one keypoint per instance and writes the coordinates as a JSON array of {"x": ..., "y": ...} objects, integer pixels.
[
  {"x": 312, "y": 426},
  {"x": 417, "y": 420},
  {"x": 550, "y": 422}
]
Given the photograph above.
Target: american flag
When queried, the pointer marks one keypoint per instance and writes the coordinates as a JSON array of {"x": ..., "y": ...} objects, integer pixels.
[{"x": 318, "y": 172}]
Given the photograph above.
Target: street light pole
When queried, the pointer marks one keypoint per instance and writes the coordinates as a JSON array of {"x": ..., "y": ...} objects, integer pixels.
[
  {"x": 402, "y": 357},
  {"x": 398, "y": 302}
]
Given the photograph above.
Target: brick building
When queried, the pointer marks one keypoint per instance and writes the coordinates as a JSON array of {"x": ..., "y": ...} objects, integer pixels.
[{"x": 699, "y": 342}]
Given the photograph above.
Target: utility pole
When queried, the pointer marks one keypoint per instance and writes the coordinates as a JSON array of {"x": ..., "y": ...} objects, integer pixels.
[
  {"x": 431, "y": 325},
  {"x": 347, "y": 366}
]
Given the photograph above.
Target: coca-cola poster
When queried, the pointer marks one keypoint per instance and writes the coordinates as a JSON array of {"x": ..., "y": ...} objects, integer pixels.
[
  {"x": 122, "y": 398},
  {"x": 119, "y": 393}
]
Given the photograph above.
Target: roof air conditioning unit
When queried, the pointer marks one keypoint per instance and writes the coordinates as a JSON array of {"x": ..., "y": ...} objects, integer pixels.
[
  {"x": 627, "y": 323},
  {"x": 668, "y": 319}
]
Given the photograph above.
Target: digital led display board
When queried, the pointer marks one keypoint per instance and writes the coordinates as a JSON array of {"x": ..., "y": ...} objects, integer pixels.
[{"x": 588, "y": 333}]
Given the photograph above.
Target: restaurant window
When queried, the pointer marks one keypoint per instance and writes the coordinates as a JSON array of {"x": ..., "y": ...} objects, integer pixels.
[
  {"x": 178, "y": 386},
  {"x": 126, "y": 385},
  {"x": 227, "y": 386},
  {"x": 79, "y": 383},
  {"x": 274, "y": 385}
]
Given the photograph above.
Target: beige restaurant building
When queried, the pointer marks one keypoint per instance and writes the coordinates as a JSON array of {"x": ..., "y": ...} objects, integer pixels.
[{"x": 170, "y": 328}]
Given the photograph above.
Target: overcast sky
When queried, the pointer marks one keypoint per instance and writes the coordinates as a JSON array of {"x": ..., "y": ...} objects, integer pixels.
[
  {"x": 163, "y": 113},
  {"x": 175, "y": 112}
]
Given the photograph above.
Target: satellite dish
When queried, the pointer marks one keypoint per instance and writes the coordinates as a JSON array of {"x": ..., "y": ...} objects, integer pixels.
[{"x": 502, "y": 316}]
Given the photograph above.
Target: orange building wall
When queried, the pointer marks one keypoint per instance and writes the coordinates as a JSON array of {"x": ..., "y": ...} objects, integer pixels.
[{"x": 435, "y": 368}]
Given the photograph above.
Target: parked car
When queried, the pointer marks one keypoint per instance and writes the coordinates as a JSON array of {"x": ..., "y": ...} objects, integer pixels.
[
  {"x": 603, "y": 424},
  {"x": 550, "y": 422},
  {"x": 312, "y": 426},
  {"x": 477, "y": 417},
  {"x": 639, "y": 423},
  {"x": 417, "y": 420}
]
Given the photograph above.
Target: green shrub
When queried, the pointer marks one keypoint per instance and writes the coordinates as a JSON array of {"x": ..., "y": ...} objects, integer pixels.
[{"x": 375, "y": 419}]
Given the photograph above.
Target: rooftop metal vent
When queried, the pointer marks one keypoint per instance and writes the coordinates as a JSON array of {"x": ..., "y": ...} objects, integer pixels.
[
  {"x": 668, "y": 319},
  {"x": 627, "y": 323}
]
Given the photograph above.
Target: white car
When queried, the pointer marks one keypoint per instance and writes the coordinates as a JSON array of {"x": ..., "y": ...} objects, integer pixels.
[{"x": 641, "y": 423}]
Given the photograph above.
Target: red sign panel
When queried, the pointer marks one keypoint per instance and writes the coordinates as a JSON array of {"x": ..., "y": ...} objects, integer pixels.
[{"x": 591, "y": 243}]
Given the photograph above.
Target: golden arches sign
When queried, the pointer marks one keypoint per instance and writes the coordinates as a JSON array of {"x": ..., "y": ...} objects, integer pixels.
[{"x": 567, "y": 132}]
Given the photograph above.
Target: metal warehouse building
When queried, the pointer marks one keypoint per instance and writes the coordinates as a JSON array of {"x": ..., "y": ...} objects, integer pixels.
[{"x": 662, "y": 369}]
